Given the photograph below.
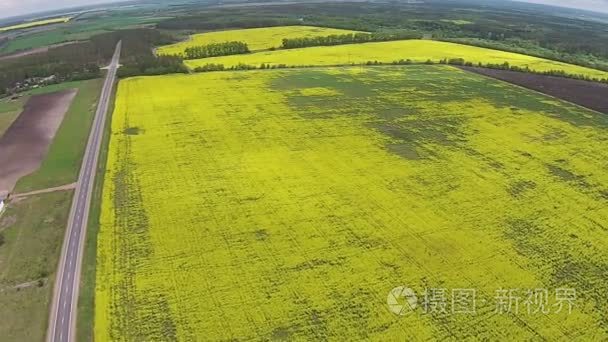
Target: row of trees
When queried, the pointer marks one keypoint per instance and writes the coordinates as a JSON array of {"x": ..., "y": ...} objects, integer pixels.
[
  {"x": 216, "y": 49},
  {"x": 349, "y": 38},
  {"x": 241, "y": 66},
  {"x": 520, "y": 27},
  {"x": 527, "y": 48},
  {"x": 77, "y": 61},
  {"x": 152, "y": 65},
  {"x": 526, "y": 69},
  {"x": 451, "y": 61},
  {"x": 235, "y": 47}
]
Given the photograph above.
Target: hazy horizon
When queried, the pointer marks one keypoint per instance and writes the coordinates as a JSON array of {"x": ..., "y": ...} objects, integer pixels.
[{"x": 13, "y": 8}]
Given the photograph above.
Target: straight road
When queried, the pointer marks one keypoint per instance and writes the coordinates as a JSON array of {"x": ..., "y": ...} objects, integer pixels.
[{"x": 62, "y": 323}]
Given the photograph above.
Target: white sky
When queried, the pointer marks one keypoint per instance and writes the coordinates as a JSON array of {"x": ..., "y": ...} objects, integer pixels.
[
  {"x": 591, "y": 5},
  {"x": 9, "y": 8}
]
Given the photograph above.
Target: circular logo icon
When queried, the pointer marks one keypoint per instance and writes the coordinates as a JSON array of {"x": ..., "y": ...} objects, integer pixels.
[{"x": 402, "y": 300}]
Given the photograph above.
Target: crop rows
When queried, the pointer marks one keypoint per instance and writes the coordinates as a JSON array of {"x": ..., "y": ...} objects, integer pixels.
[{"x": 286, "y": 204}]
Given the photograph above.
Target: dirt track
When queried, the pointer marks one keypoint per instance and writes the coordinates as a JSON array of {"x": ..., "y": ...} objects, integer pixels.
[
  {"x": 587, "y": 94},
  {"x": 65, "y": 187},
  {"x": 26, "y": 142}
]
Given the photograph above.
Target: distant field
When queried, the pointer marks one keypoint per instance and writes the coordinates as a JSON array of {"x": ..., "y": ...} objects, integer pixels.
[
  {"x": 257, "y": 38},
  {"x": 77, "y": 30},
  {"x": 387, "y": 52},
  {"x": 35, "y": 23},
  {"x": 286, "y": 204}
]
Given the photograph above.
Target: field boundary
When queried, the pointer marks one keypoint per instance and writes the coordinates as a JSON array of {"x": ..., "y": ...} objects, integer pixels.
[
  {"x": 534, "y": 90},
  {"x": 66, "y": 187},
  {"x": 70, "y": 263},
  {"x": 377, "y": 52},
  {"x": 85, "y": 325},
  {"x": 312, "y": 67}
]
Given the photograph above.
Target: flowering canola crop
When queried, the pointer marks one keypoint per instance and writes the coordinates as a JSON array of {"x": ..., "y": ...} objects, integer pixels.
[
  {"x": 256, "y": 38},
  {"x": 286, "y": 204},
  {"x": 387, "y": 52},
  {"x": 35, "y": 23}
]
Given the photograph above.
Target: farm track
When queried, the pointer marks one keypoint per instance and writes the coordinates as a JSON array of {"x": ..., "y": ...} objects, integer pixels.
[
  {"x": 44, "y": 191},
  {"x": 65, "y": 297}
]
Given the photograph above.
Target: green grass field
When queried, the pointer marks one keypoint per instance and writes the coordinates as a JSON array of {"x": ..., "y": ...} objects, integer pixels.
[
  {"x": 62, "y": 163},
  {"x": 9, "y": 111},
  {"x": 286, "y": 204},
  {"x": 33, "y": 231}
]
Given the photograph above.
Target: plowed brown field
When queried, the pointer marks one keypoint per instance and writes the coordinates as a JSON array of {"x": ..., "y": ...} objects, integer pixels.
[{"x": 26, "y": 142}]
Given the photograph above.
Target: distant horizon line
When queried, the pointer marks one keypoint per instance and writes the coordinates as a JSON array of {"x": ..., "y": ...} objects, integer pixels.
[{"x": 62, "y": 10}]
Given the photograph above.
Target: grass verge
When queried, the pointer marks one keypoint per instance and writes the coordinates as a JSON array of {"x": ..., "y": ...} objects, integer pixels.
[
  {"x": 32, "y": 230},
  {"x": 86, "y": 299}
]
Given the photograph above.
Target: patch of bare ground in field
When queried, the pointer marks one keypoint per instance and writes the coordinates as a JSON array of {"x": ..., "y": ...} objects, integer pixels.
[
  {"x": 26, "y": 142},
  {"x": 592, "y": 95}
]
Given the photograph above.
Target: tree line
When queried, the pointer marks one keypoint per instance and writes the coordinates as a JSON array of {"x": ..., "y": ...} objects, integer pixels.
[
  {"x": 148, "y": 64},
  {"x": 235, "y": 47},
  {"x": 241, "y": 66},
  {"x": 525, "y": 69},
  {"x": 82, "y": 60},
  {"x": 573, "y": 40},
  {"x": 216, "y": 49},
  {"x": 452, "y": 61},
  {"x": 72, "y": 62},
  {"x": 348, "y": 38},
  {"x": 222, "y": 22}
]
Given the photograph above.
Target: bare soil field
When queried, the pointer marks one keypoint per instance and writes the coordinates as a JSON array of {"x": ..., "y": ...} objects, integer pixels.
[
  {"x": 26, "y": 142},
  {"x": 587, "y": 94}
]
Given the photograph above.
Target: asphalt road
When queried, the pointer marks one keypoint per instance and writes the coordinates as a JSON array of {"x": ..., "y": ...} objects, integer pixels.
[{"x": 62, "y": 323}]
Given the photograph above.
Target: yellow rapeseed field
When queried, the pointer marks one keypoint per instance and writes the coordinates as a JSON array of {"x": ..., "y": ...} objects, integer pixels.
[
  {"x": 387, "y": 52},
  {"x": 287, "y": 204},
  {"x": 257, "y": 38},
  {"x": 35, "y": 23}
]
